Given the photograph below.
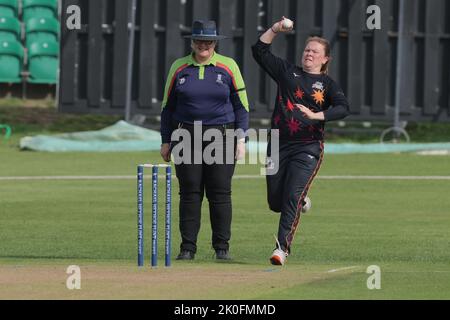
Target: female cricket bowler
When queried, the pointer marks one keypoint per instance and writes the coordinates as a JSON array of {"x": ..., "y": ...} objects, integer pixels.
[{"x": 306, "y": 98}]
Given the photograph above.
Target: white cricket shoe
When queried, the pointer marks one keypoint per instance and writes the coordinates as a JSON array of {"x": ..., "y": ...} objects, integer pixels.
[
  {"x": 278, "y": 257},
  {"x": 306, "y": 204}
]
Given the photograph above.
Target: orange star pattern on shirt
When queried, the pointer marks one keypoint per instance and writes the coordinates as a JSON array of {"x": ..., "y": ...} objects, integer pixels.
[{"x": 318, "y": 97}]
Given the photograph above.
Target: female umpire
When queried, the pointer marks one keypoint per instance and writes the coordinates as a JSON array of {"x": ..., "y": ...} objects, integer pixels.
[
  {"x": 208, "y": 87},
  {"x": 307, "y": 98}
]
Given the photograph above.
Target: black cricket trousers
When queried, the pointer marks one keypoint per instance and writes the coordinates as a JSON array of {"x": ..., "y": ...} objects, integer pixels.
[
  {"x": 196, "y": 179},
  {"x": 297, "y": 165}
]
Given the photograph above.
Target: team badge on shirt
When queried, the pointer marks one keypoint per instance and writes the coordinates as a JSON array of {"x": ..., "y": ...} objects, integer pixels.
[
  {"x": 182, "y": 80},
  {"x": 219, "y": 79},
  {"x": 318, "y": 85},
  {"x": 318, "y": 94}
]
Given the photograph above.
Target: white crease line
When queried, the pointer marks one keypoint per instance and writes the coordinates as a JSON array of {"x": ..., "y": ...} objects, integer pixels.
[
  {"x": 359, "y": 177},
  {"x": 342, "y": 269},
  {"x": 69, "y": 178},
  {"x": 162, "y": 175},
  {"x": 384, "y": 177}
]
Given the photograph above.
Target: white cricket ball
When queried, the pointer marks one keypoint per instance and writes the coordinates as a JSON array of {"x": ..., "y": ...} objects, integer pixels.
[{"x": 287, "y": 23}]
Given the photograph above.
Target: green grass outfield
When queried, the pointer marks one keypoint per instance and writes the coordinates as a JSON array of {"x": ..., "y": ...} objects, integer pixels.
[{"x": 402, "y": 226}]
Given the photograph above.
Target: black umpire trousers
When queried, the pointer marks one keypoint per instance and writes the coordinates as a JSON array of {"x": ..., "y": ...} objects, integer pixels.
[
  {"x": 212, "y": 179},
  {"x": 297, "y": 165}
]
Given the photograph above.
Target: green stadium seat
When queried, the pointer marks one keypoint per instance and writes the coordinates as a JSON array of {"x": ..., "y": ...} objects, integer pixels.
[
  {"x": 38, "y": 9},
  {"x": 11, "y": 61},
  {"x": 41, "y": 30},
  {"x": 9, "y": 29},
  {"x": 43, "y": 62},
  {"x": 9, "y": 8}
]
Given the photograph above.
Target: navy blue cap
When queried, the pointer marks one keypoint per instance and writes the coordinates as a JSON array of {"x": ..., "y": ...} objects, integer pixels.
[{"x": 204, "y": 30}]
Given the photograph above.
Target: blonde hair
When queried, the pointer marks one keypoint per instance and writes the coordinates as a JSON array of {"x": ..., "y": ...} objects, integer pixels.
[{"x": 326, "y": 45}]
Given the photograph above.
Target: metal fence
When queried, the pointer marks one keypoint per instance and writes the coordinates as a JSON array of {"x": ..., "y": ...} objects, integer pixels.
[{"x": 93, "y": 59}]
